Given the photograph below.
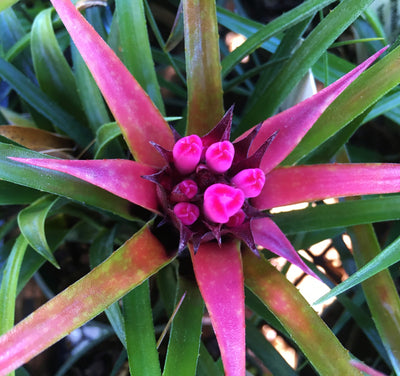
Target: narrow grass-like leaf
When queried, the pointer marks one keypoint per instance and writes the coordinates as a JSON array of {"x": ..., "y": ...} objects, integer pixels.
[
  {"x": 44, "y": 104},
  {"x": 92, "y": 101},
  {"x": 207, "y": 366},
  {"x": 56, "y": 182},
  {"x": 303, "y": 58},
  {"x": 203, "y": 70},
  {"x": 264, "y": 350},
  {"x": 136, "y": 47},
  {"x": 9, "y": 282},
  {"x": 285, "y": 21},
  {"x": 105, "y": 134},
  {"x": 380, "y": 292},
  {"x": 343, "y": 214},
  {"x": 364, "y": 92},
  {"x": 139, "y": 258},
  {"x": 389, "y": 256},
  {"x": 52, "y": 70},
  {"x": 184, "y": 343},
  {"x": 310, "y": 333},
  {"x": 31, "y": 222},
  {"x": 139, "y": 329}
]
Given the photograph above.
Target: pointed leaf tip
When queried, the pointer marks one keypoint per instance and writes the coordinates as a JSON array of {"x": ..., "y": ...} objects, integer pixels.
[
  {"x": 295, "y": 122},
  {"x": 134, "y": 111}
]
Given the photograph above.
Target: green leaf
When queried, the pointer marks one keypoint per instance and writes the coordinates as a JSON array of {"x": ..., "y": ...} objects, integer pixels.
[
  {"x": 125, "y": 269},
  {"x": 359, "y": 96},
  {"x": 389, "y": 256},
  {"x": 52, "y": 70},
  {"x": 303, "y": 58},
  {"x": 343, "y": 214},
  {"x": 31, "y": 221},
  {"x": 264, "y": 350},
  {"x": 136, "y": 47},
  {"x": 207, "y": 366},
  {"x": 285, "y": 21},
  {"x": 9, "y": 282},
  {"x": 104, "y": 135},
  {"x": 91, "y": 98},
  {"x": 139, "y": 329},
  {"x": 183, "y": 346},
  {"x": 44, "y": 104},
  {"x": 203, "y": 70},
  {"x": 57, "y": 183},
  {"x": 4, "y": 4},
  {"x": 20, "y": 195}
]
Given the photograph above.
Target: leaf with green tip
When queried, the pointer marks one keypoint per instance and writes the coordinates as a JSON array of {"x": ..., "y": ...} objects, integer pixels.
[
  {"x": 308, "y": 331},
  {"x": 203, "y": 70},
  {"x": 389, "y": 256},
  {"x": 184, "y": 343},
  {"x": 134, "y": 262},
  {"x": 31, "y": 221},
  {"x": 372, "y": 85}
]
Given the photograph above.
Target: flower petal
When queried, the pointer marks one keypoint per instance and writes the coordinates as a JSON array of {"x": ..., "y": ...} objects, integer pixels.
[
  {"x": 119, "y": 176},
  {"x": 136, "y": 260},
  {"x": 267, "y": 234},
  {"x": 139, "y": 119},
  {"x": 295, "y": 122},
  {"x": 219, "y": 275},
  {"x": 290, "y": 185}
]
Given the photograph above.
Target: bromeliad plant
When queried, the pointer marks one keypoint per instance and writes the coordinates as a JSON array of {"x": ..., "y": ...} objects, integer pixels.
[{"x": 214, "y": 191}]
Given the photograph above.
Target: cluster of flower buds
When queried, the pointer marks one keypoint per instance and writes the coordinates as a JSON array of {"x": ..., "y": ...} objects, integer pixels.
[{"x": 205, "y": 186}]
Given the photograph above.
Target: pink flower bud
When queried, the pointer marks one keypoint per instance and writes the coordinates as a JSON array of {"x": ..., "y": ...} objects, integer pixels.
[
  {"x": 251, "y": 181},
  {"x": 186, "y": 212},
  {"x": 187, "y": 153},
  {"x": 184, "y": 191},
  {"x": 236, "y": 219},
  {"x": 221, "y": 202},
  {"x": 219, "y": 156}
]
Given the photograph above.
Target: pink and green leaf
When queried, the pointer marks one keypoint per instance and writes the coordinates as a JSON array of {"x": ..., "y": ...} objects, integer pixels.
[
  {"x": 139, "y": 258},
  {"x": 139, "y": 119},
  {"x": 121, "y": 177},
  {"x": 290, "y": 185},
  {"x": 203, "y": 68},
  {"x": 295, "y": 122},
  {"x": 219, "y": 275},
  {"x": 305, "y": 327},
  {"x": 55, "y": 182},
  {"x": 268, "y": 235}
]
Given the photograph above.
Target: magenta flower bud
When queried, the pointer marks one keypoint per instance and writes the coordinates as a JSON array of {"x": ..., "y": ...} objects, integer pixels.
[
  {"x": 186, "y": 212},
  {"x": 221, "y": 202},
  {"x": 251, "y": 181},
  {"x": 219, "y": 156},
  {"x": 187, "y": 153},
  {"x": 184, "y": 191},
  {"x": 236, "y": 219}
]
